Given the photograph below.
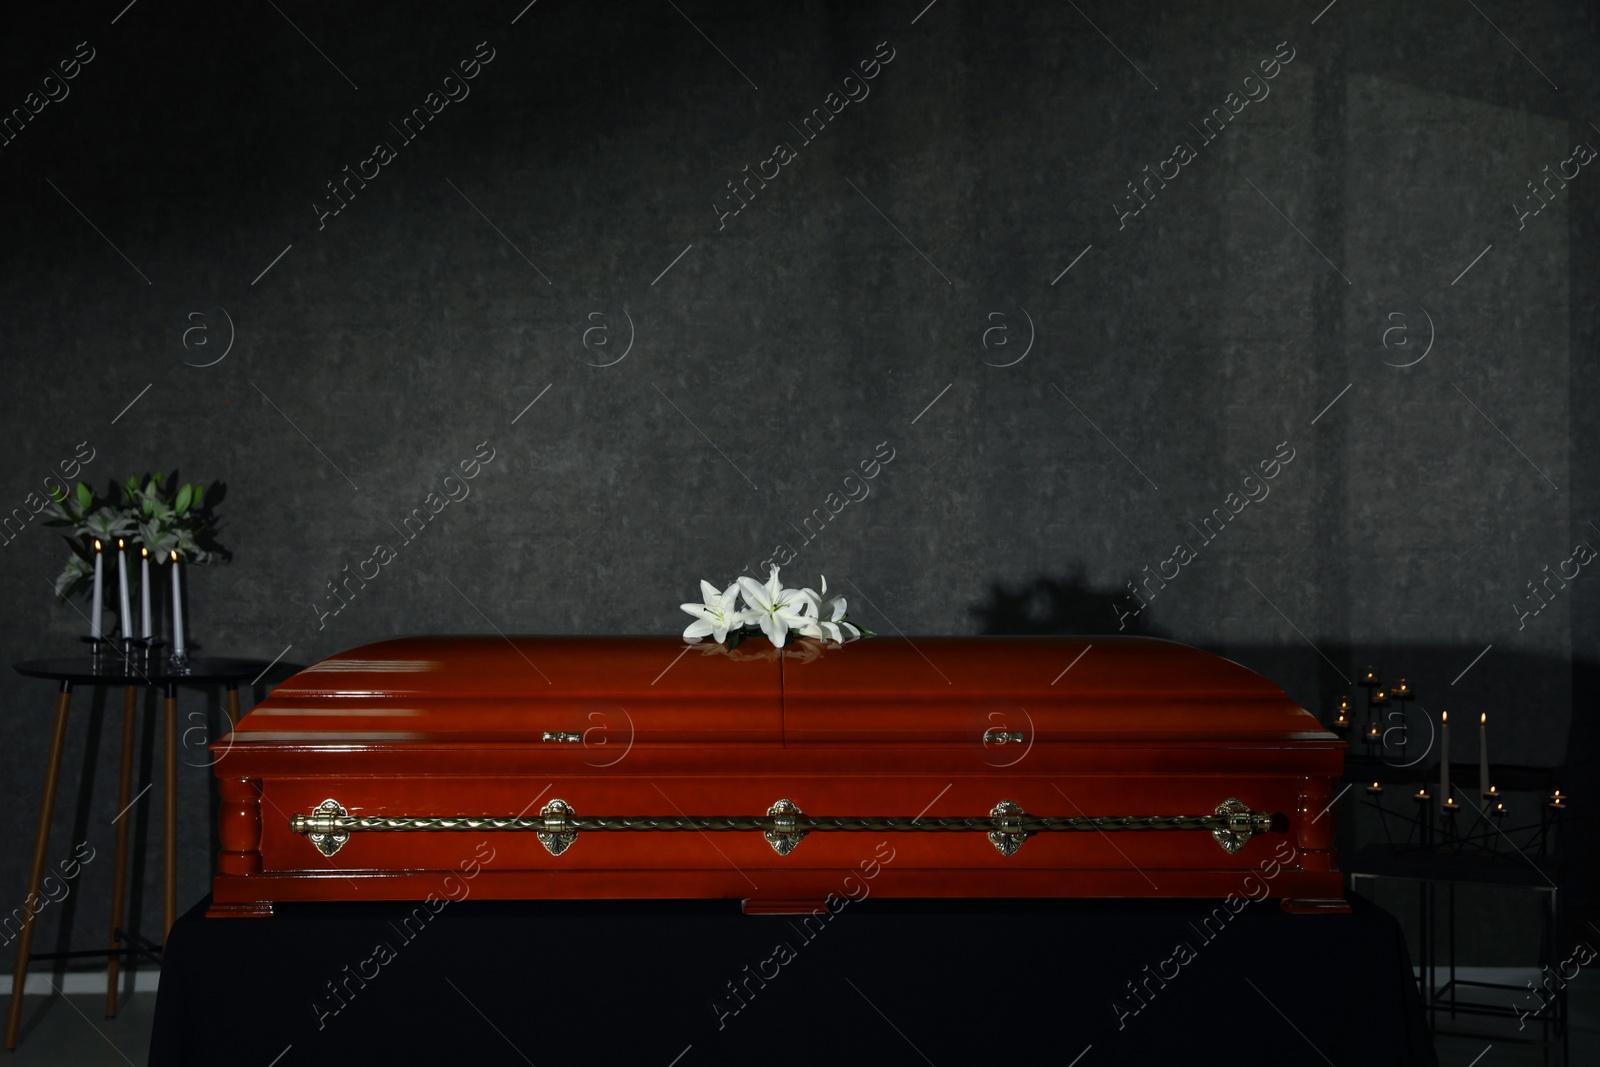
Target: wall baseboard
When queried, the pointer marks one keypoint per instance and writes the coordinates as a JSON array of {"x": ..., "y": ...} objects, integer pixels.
[{"x": 73, "y": 983}]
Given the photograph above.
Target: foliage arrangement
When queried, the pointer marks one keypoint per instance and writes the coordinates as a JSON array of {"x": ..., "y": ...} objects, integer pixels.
[
  {"x": 769, "y": 609},
  {"x": 147, "y": 515}
]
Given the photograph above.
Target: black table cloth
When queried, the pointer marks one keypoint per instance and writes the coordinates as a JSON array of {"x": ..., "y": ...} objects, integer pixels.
[{"x": 679, "y": 984}]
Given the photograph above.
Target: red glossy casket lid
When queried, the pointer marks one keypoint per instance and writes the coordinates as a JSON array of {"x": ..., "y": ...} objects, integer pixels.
[
  {"x": 1049, "y": 689},
  {"x": 898, "y": 691},
  {"x": 510, "y": 689}
]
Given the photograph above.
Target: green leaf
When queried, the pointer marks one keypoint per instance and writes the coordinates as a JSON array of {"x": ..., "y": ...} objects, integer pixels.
[
  {"x": 185, "y": 497},
  {"x": 85, "y": 497}
]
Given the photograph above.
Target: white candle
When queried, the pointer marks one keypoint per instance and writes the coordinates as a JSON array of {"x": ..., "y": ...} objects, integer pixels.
[
  {"x": 144, "y": 592},
  {"x": 1444, "y": 757},
  {"x": 99, "y": 594},
  {"x": 177, "y": 610},
  {"x": 122, "y": 590},
  {"x": 1483, "y": 753}
]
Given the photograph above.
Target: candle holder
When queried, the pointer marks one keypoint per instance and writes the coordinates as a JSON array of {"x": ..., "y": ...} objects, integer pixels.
[
  {"x": 149, "y": 650},
  {"x": 1497, "y": 815},
  {"x": 97, "y": 651},
  {"x": 1448, "y": 833},
  {"x": 178, "y": 661},
  {"x": 1375, "y": 789},
  {"x": 1401, "y": 693},
  {"x": 129, "y": 652},
  {"x": 1341, "y": 718}
]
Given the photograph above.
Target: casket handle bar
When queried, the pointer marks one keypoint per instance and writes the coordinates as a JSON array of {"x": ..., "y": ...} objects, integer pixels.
[{"x": 329, "y": 825}]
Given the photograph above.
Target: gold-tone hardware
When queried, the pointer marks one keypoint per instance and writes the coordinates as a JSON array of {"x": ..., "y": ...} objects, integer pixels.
[
  {"x": 320, "y": 826},
  {"x": 1242, "y": 824},
  {"x": 558, "y": 833},
  {"x": 564, "y": 736},
  {"x": 1001, "y": 737},
  {"x": 1008, "y": 835},
  {"x": 1232, "y": 824},
  {"x": 785, "y": 833}
]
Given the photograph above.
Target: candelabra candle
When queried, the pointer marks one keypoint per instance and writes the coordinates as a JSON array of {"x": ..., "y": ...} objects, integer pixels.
[
  {"x": 144, "y": 593},
  {"x": 99, "y": 595},
  {"x": 126, "y": 616},
  {"x": 1444, "y": 757},
  {"x": 1375, "y": 789},
  {"x": 1373, "y": 733},
  {"x": 179, "y": 649},
  {"x": 1369, "y": 677},
  {"x": 1557, "y": 801},
  {"x": 1380, "y": 698},
  {"x": 1401, "y": 691},
  {"x": 1449, "y": 807},
  {"x": 1483, "y": 754},
  {"x": 1422, "y": 796}
]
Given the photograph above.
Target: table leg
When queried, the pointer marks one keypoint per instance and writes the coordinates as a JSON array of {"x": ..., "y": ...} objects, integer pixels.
[
  {"x": 130, "y": 715},
  {"x": 41, "y": 842},
  {"x": 170, "y": 896}
]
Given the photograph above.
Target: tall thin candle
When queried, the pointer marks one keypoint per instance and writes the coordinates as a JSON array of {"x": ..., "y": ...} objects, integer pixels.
[
  {"x": 177, "y": 610},
  {"x": 99, "y": 593},
  {"x": 144, "y": 592},
  {"x": 1444, "y": 757},
  {"x": 122, "y": 591},
  {"x": 1483, "y": 753}
]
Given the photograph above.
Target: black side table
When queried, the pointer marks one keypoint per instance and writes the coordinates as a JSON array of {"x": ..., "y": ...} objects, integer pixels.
[
  {"x": 131, "y": 674},
  {"x": 1430, "y": 873}
]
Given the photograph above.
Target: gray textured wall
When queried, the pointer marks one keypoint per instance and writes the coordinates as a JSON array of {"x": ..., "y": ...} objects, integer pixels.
[{"x": 871, "y": 294}]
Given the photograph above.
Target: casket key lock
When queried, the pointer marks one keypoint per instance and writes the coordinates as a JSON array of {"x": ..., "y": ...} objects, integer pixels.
[
  {"x": 1007, "y": 825},
  {"x": 563, "y": 736},
  {"x": 1001, "y": 737}
]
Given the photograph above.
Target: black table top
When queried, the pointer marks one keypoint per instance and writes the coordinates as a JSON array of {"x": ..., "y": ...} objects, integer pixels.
[{"x": 113, "y": 670}]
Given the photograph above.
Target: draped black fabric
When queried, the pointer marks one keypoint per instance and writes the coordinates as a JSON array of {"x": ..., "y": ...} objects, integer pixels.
[{"x": 1079, "y": 982}]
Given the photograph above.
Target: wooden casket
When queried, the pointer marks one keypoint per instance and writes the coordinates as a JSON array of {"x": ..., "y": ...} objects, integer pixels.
[{"x": 638, "y": 767}]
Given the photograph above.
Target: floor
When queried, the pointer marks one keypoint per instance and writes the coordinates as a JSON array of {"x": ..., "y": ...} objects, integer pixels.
[
  {"x": 74, "y": 1030},
  {"x": 1495, "y": 1048}
]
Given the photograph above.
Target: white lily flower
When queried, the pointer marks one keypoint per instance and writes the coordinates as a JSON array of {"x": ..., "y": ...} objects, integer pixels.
[
  {"x": 716, "y": 616},
  {"x": 825, "y": 616},
  {"x": 775, "y": 609}
]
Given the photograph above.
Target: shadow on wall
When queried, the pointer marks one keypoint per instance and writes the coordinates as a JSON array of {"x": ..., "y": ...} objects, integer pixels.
[{"x": 1055, "y": 606}]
